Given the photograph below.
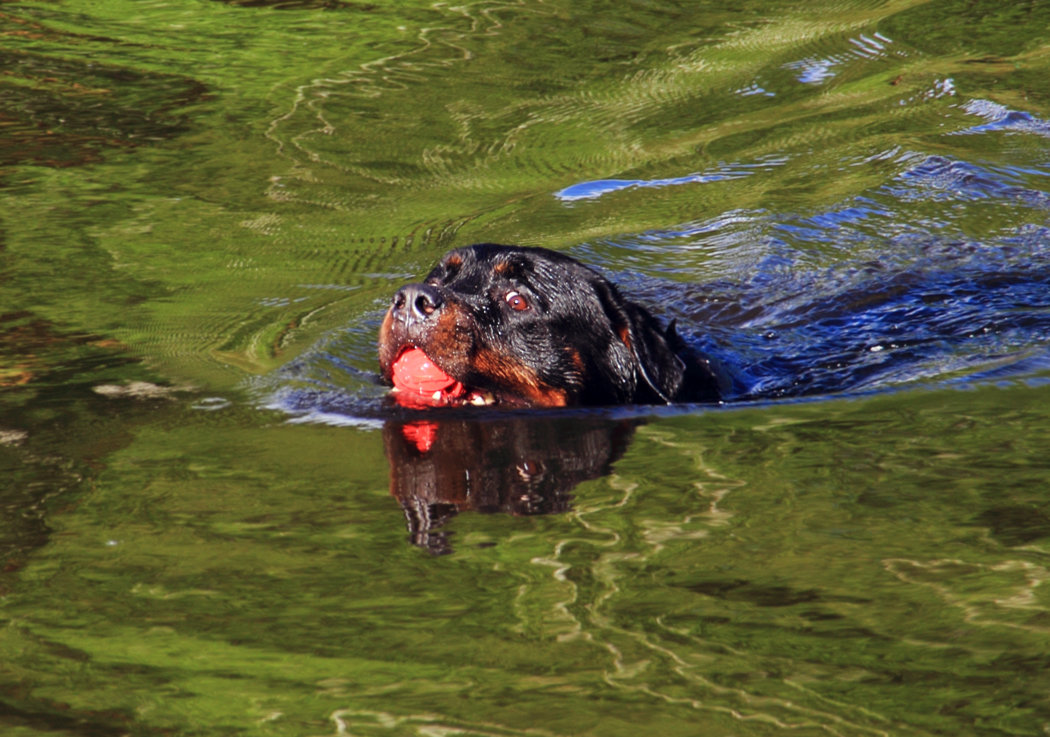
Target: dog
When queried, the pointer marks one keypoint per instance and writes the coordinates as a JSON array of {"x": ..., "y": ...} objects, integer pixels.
[{"x": 518, "y": 326}]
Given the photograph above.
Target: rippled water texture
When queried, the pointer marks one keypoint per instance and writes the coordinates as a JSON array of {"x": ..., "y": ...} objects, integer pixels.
[{"x": 215, "y": 523}]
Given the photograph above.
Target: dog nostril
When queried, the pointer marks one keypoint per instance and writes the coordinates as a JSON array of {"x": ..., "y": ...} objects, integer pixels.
[{"x": 424, "y": 305}]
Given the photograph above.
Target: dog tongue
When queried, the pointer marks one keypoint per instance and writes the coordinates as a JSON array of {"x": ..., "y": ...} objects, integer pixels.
[{"x": 414, "y": 372}]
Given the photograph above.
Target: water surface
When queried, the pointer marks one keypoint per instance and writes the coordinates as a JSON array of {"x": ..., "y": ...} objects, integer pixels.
[{"x": 215, "y": 524}]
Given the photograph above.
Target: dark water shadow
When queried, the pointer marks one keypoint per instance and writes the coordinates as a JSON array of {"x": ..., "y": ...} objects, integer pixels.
[{"x": 513, "y": 465}]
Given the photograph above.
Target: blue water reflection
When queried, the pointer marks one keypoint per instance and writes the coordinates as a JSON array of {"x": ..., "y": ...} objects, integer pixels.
[
  {"x": 1001, "y": 118},
  {"x": 599, "y": 187}
]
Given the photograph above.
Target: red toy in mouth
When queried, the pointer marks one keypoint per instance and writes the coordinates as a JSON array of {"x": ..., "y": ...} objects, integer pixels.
[{"x": 420, "y": 380}]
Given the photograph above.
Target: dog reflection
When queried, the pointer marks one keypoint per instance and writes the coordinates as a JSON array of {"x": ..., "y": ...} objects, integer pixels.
[{"x": 517, "y": 466}]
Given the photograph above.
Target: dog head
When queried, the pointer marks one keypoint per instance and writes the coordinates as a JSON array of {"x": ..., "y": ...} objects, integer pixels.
[{"x": 524, "y": 326}]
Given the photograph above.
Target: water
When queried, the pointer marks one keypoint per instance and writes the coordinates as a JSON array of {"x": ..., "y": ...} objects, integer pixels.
[{"x": 214, "y": 524}]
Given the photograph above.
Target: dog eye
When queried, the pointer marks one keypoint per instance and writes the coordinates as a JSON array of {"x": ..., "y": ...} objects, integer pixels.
[{"x": 516, "y": 301}]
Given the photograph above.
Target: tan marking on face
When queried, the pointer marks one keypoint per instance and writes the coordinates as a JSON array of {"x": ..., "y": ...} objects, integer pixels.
[
  {"x": 450, "y": 339},
  {"x": 387, "y": 349},
  {"x": 511, "y": 376},
  {"x": 577, "y": 361},
  {"x": 625, "y": 336}
]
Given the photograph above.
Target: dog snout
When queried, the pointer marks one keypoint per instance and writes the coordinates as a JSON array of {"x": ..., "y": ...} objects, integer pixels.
[{"x": 417, "y": 302}]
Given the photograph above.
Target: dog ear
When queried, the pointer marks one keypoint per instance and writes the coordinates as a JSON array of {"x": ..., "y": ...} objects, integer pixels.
[
  {"x": 642, "y": 356},
  {"x": 657, "y": 363}
]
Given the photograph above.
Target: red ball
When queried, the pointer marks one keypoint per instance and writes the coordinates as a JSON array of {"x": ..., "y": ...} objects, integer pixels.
[{"x": 415, "y": 372}]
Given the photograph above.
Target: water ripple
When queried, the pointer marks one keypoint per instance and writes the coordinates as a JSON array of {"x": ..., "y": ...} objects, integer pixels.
[
  {"x": 598, "y": 187},
  {"x": 815, "y": 70},
  {"x": 1002, "y": 118}
]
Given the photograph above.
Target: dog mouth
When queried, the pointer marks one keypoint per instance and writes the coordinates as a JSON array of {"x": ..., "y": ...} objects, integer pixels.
[{"x": 420, "y": 382}]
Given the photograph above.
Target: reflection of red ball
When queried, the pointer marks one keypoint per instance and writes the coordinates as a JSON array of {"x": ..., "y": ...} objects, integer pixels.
[
  {"x": 413, "y": 371},
  {"x": 420, "y": 434}
]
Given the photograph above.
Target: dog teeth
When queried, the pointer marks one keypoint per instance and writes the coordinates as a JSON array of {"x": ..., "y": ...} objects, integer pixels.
[
  {"x": 437, "y": 396},
  {"x": 481, "y": 400}
]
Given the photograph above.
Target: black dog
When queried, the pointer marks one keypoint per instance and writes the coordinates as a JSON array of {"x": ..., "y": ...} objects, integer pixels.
[{"x": 528, "y": 326}]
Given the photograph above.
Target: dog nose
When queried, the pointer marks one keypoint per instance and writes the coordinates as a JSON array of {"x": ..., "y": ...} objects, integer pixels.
[{"x": 418, "y": 301}]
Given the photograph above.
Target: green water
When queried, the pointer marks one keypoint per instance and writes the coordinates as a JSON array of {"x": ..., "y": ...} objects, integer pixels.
[{"x": 197, "y": 196}]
